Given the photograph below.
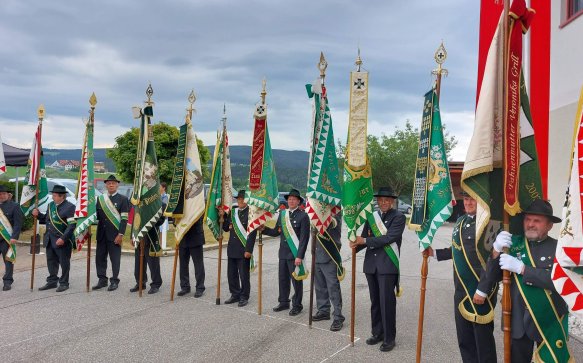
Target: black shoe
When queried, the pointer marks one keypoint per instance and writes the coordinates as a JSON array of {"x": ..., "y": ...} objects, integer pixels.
[
  {"x": 295, "y": 311},
  {"x": 375, "y": 339},
  {"x": 198, "y": 293},
  {"x": 62, "y": 288},
  {"x": 231, "y": 300},
  {"x": 336, "y": 325},
  {"x": 320, "y": 316},
  {"x": 281, "y": 307},
  {"x": 153, "y": 290},
  {"x": 136, "y": 288},
  {"x": 47, "y": 287},
  {"x": 242, "y": 302},
  {"x": 99, "y": 285},
  {"x": 183, "y": 292},
  {"x": 6, "y": 287},
  {"x": 112, "y": 287},
  {"x": 387, "y": 347}
]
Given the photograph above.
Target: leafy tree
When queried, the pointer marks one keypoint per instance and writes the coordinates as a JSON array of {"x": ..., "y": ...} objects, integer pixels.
[{"x": 166, "y": 141}]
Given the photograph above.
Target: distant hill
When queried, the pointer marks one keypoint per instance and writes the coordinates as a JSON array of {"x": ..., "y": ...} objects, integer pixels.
[{"x": 75, "y": 154}]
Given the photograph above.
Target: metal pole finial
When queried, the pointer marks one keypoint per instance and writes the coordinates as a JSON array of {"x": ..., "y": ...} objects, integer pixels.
[
  {"x": 440, "y": 56},
  {"x": 263, "y": 91},
  {"x": 322, "y": 65},
  {"x": 41, "y": 111},
  {"x": 149, "y": 93},
  {"x": 93, "y": 100}
]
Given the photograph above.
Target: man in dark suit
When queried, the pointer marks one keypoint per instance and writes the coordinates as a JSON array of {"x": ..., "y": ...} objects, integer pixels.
[
  {"x": 191, "y": 246},
  {"x": 151, "y": 257},
  {"x": 112, "y": 213},
  {"x": 474, "y": 324},
  {"x": 328, "y": 273},
  {"x": 239, "y": 252},
  {"x": 58, "y": 241},
  {"x": 531, "y": 286},
  {"x": 381, "y": 266},
  {"x": 290, "y": 262},
  {"x": 11, "y": 219}
]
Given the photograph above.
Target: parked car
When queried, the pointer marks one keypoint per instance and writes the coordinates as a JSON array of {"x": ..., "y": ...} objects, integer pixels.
[{"x": 404, "y": 207}]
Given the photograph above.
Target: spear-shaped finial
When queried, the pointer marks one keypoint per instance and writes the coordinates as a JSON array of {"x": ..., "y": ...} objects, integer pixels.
[
  {"x": 358, "y": 61},
  {"x": 41, "y": 112},
  {"x": 190, "y": 109},
  {"x": 263, "y": 91},
  {"x": 93, "y": 100},
  {"x": 149, "y": 93},
  {"x": 440, "y": 57},
  {"x": 224, "y": 115},
  {"x": 322, "y": 65}
]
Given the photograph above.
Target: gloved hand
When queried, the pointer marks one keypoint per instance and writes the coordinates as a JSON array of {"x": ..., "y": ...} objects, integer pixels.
[
  {"x": 503, "y": 240},
  {"x": 511, "y": 263}
]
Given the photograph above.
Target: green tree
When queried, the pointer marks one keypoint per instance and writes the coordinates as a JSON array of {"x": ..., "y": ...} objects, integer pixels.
[
  {"x": 124, "y": 152},
  {"x": 393, "y": 157}
]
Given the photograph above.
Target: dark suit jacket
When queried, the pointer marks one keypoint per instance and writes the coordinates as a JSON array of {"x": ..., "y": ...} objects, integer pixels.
[
  {"x": 195, "y": 235},
  {"x": 235, "y": 248},
  {"x": 321, "y": 255},
  {"x": 65, "y": 210},
  {"x": 543, "y": 254},
  {"x": 376, "y": 260},
  {"x": 106, "y": 231},
  {"x": 301, "y": 225},
  {"x": 14, "y": 214},
  {"x": 467, "y": 225}
]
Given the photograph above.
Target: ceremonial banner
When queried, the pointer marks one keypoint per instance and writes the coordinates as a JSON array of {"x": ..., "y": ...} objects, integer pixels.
[
  {"x": 483, "y": 177},
  {"x": 6, "y": 235},
  {"x": 324, "y": 191},
  {"x": 146, "y": 195},
  {"x": 568, "y": 265},
  {"x": 357, "y": 199},
  {"x": 432, "y": 181},
  {"x": 85, "y": 210},
  {"x": 35, "y": 174},
  {"x": 186, "y": 202},
  {"x": 220, "y": 194},
  {"x": 262, "y": 195},
  {"x": 2, "y": 160}
]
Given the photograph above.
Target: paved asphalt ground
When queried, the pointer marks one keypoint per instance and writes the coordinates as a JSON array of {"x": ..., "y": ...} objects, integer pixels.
[{"x": 117, "y": 326}]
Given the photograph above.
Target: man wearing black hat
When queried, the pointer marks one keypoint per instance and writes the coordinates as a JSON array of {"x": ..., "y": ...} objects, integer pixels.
[
  {"x": 11, "y": 219},
  {"x": 381, "y": 266},
  {"x": 538, "y": 311},
  {"x": 474, "y": 323},
  {"x": 112, "y": 213},
  {"x": 58, "y": 241},
  {"x": 293, "y": 225},
  {"x": 239, "y": 252}
]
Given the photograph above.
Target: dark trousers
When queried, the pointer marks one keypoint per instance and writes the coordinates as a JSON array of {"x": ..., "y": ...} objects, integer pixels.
[
  {"x": 58, "y": 257},
  {"x": 238, "y": 276},
  {"x": 383, "y": 305},
  {"x": 152, "y": 262},
  {"x": 185, "y": 254},
  {"x": 328, "y": 289},
  {"x": 476, "y": 341},
  {"x": 8, "y": 280},
  {"x": 286, "y": 268},
  {"x": 522, "y": 349},
  {"x": 105, "y": 248}
]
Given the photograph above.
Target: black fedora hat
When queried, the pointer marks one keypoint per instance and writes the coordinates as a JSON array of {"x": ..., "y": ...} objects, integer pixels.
[
  {"x": 241, "y": 194},
  {"x": 386, "y": 192},
  {"x": 111, "y": 178},
  {"x": 294, "y": 193},
  {"x": 3, "y": 189},
  {"x": 60, "y": 189},
  {"x": 542, "y": 208}
]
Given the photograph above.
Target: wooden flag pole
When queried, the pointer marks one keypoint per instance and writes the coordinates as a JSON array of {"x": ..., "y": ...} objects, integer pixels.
[
  {"x": 440, "y": 57},
  {"x": 141, "y": 278},
  {"x": 353, "y": 297},
  {"x": 218, "y": 299},
  {"x": 88, "y": 279},
  {"x": 312, "y": 278},
  {"x": 173, "y": 282},
  {"x": 41, "y": 115},
  {"x": 260, "y": 274}
]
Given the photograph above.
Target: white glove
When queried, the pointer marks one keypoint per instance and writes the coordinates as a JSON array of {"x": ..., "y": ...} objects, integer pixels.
[
  {"x": 511, "y": 263},
  {"x": 503, "y": 240}
]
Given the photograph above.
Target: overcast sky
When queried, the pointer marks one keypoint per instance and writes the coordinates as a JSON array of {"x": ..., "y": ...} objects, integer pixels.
[{"x": 57, "y": 52}]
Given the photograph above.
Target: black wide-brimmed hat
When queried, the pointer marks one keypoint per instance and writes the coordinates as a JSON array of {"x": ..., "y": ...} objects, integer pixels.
[
  {"x": 386, "y": 192},
  {"x": 59, "y": 189},
  {"x": 542, "y": 208},
  {"x": 294, "y": 193},
  {"x": 3, "y": 189},
  {"x": 464, "y": 194},
  {"x": 241, "y": 194},
  {"x": 111, "y": 178}
]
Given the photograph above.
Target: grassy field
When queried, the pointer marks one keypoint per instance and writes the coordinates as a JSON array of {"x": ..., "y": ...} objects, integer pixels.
[{"x": 51, "y": 173}]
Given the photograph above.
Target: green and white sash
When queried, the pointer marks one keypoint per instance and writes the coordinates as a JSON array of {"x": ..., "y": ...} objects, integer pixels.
[
  {"x": 110, "y": 211},
  {"x": 300, "y": 273},
  {"x": 469, "y": 278},
  {"x": 59, "y": 224},
  {"x": 6, "y": 233},
  {"x": 241, "y": 233},
  {"x": 332, "y": 250},
  {"x": 551, "y": 327},
  {"x": 378, "y": 229}
]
